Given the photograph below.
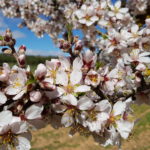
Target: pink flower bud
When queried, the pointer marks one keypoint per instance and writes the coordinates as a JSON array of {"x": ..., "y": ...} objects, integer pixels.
[
  {"x": 21, "y": 59},
  {"x": 22, "y": 49},
  {"x": 35, "y": 96},
  {"x": 78, "y": 45},
  {"x": 41, "y": 71}
]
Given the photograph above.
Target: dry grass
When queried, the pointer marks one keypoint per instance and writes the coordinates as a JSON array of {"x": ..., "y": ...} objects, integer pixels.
[{"x": 51, "y": 139}]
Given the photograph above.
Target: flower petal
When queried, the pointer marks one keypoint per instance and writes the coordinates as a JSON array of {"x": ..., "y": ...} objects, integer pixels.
[
  {"x": 34, "y": 111},
  {"x": 124, "y": 128},
  {"x": 82, "y": 88},
  {"x": 3, "y": 98},
  {"x": 62, "y": 78},
  {"x": 69, "y": 99},
  {"x": 85, "y": 103},
  {"x": 119, "y": 108},
  {"x": 75, "y": 77}
]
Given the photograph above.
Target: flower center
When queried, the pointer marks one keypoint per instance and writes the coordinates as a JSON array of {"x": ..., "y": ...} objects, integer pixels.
[
  {"x": 8, "y": 138},
  {"x": 93, "y": 115},
  {"x": 93, "y": 77},
  {"x": 1, "y": 72},
  {"x": 87, "y": 17},
  {"x": 53, "y": 73},
  {"x": 116, "y": 10},
  {"x": 69, "y": 88},
  {"x": 17, "y": 83},
  {"x": 146, "y": 46},
  {"x": 147, "y": 72}
]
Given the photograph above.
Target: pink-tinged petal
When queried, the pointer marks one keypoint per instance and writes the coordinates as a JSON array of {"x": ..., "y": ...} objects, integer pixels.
[
  {"x": 34, "y": 111},
  {"x": 55, "y": 93},
  {"x": 94, "y": 18},
  {"x": 113, "y": 73},
  {"x": 3, "y": 98},
  {"x": 140, "y": 67},
  {"x": 134, "y": 28},
  {"x": 111, "y": 14},
  {"x": 23, "y": 142},
  {"x": 59, "y": 108},
  {"x": 19, "y": 127},
  {"x": 88, "y": 56},
  {"x": 119, "y": 108},
  {"x": 50, "y": 65},
  {"x": 82, "y": 88},
  {"x": 94, "y": 126},
  {"x": 144, "y": 59},
  {"x": 124, "y": 128},
  {"x": 15, "y": 119},
  {"x": 79, "y": 14},
  {"x": 67, "y": 119},
  {"x": 62, "y": 78},
  {"x": 89, "y": 22},
  {"x": 82, "y": 21},
  {"x": 20, "y": 94},
  {"x": 35, "y": 96},
  {"x": 144, "y": 54},
  {"x": 118, "y": 4},
  {"x": 110, "y": 85},
  {"x": 75, "y": 77},
  {"x": 124, "y": 10},
  {"x": 85, "y": 103},
  {"x": 5, "y": 117},
  {"x": 65, "y": 63},
  {"x": 77, "y": 64},
  {"x": 69, "y": 99},
  {"x": 4, "y": 129},
  {"x": 40, "y": 71},
  {"x": 103, "y": 117},
  {"x": 119, "y": 16},
  {"x": 121, "y": 83},
  {"x": 11, "y": 90},
  {"x": 126, "y": 58},
  {"x": 103, "y": 106}
]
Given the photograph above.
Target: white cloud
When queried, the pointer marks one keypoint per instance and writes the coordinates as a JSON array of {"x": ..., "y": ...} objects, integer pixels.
[
  {"x": 18, "y": 35},
  {"x": 44, "y": 52}
]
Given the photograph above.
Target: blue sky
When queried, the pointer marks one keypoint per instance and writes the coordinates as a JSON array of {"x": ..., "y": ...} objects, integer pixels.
[{"x": 35, "y": 46}]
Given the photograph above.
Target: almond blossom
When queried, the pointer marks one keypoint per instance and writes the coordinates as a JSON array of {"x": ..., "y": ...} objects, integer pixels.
[
  {"x": 86, "y": 16},
  {"x": 17, "y": 84},
  {"x": 117, "y": 11}
]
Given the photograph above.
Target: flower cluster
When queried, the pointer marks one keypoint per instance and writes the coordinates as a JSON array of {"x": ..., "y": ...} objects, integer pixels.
[{"x": 90, "y": 91}]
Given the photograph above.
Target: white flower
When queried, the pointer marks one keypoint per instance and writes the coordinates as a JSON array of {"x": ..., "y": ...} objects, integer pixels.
[
  {"x": 17, "y": 84},
  {"x": 137, "y": 58},
  {"x": 89, "y": 59},
  {"x": 41, "y": 71},
  {"x": 98, "y": 117},
  {"x": 34, "y": 112},
  {"x": 92, "y": 78},
  {"x": 117, "y": 11},
  {"x": 15, "y": 134},
  {"x": 119, "y": 117},
  {"x": 86, "y": 15},
  {"x": 70, "y": 85}
]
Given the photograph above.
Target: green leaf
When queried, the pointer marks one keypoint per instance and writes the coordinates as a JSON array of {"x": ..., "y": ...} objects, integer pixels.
[
  {"x": 1, "y": 38},
  {"x": 31, "y": 80},
  {"x": 99, "y": 64}
]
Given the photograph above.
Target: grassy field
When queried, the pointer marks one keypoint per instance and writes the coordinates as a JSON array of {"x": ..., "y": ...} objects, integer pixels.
[{"x": 51, "y": 139}]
